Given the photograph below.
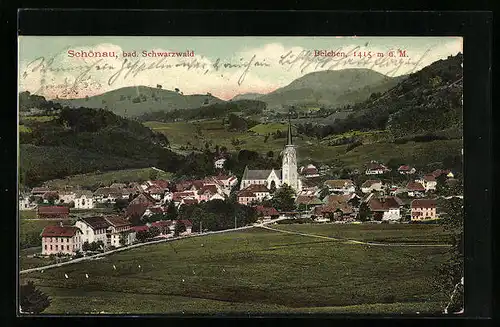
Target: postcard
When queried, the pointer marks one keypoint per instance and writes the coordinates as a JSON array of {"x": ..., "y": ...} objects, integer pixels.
[{"x": 240, "y": 175}]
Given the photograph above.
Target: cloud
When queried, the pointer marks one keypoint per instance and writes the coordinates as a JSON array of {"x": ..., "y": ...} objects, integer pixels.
[{"x": 260, "y": 70}]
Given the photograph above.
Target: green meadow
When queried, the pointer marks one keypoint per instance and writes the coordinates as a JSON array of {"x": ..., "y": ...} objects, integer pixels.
[{"x": 253, "y": 272}]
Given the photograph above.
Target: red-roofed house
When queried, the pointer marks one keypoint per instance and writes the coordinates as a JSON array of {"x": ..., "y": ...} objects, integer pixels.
[
  {"x": 376, "y": 169},
  {"x": 371, "y": 185},
  {"x": 165, "y": 226},
  {"x": 207, "y": 192},
  {"x": 188, "y": 201},
  {"x": 137, "y": 229},
  {"x": 310, "y": 171},
  {"x": 267, "y": 213},
  {"x": 61, "y": 239},
  {"x": 429, "y": 182},
  {"x": 423, "y": 209},
  {"x": 187, "y": 223},
  {"x": 340, "y": 185},
  {"x": 119, "y": 233},
  {"x": 254, "y": 192},
  {"x": 53, "y": 212},
  {"x": 415, "y": 189},
  {"x": 406, "y": 170},
  {"x": 385, "y": 208}
]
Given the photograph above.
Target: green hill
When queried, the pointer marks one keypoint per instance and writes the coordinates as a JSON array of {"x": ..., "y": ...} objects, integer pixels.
[
  {"x": 84, "y": 140},
  {"x": 332, "y": 88},
  {"x": 136, "y": 100},
  {"x": 428, "y": 101}
]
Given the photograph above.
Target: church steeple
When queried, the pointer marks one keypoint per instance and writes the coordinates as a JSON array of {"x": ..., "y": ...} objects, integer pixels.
[{"x": 289, "y": 139}]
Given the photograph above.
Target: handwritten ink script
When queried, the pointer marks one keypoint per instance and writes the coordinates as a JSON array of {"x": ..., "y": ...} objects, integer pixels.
[{"x": 84, "y": 76}]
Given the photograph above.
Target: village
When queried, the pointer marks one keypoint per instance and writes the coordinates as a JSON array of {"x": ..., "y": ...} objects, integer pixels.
[{"x": 379, "y": 199}]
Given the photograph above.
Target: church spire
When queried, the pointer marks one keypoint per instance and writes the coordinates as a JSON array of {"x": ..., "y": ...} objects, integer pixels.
[{"x": 289, "y": 140}]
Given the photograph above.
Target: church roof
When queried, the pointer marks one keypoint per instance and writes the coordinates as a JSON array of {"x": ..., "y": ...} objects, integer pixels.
[{"x": 256, "y": 174}]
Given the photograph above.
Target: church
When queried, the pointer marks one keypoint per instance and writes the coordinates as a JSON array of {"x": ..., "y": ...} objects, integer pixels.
[{"x": 275, "y": 178}]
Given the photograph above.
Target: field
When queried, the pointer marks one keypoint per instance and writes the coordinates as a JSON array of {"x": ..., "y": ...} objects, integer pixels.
[
  {"x": 107, "y": 178},
  {"x": 254, "y": 271}
]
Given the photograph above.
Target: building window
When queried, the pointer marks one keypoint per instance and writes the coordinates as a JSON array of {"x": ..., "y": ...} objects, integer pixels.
[
  {"x": 67, "y": 247},
  {"x": 57, "y": 247},
  {"x": 51, "y": 246},
  {"x": 45, "y": 247}
]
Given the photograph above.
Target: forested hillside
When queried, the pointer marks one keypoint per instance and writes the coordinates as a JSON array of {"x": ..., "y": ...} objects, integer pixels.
[
  {"x": 83, "y": 140},
  {"x": 427, "y": 102}
]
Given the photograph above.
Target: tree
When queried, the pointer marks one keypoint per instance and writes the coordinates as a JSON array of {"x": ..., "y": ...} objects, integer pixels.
[
  {"x": 153, "y": 174},
  {"x": 451, "y": 272},
  {"x": 172, "y": 213},
  {"x": 154, "y": 231},
  {"x": 283, "y": 199},
  {"x": 364, "y": 212},
  {"x": 142, "y": 235},
  {"x": 32, "y": 300},
  {"x": 179, "y": 228},
  {"x": 120, "y": 204},
  {"x": 270, "y": 154}
]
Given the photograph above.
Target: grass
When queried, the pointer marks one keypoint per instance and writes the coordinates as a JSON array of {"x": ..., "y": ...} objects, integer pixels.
[
  {"x": 107, "y": 178},
  {"x": 255, "y": 271},
  {"x": 264, "y": 129},
  {"x": 24, "y": 129},
  {"x": 387, "y": 233},
  {"x": 39, "y": 118},
  {"x": 309, "y": 149}
]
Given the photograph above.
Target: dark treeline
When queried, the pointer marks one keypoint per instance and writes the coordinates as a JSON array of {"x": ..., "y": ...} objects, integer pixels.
[
  {"x": 218, "y": 215},
  {"x": 218, "y": 110}
]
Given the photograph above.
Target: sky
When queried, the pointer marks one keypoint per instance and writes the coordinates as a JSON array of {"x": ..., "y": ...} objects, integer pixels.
[{"x": 222, "y": 66}]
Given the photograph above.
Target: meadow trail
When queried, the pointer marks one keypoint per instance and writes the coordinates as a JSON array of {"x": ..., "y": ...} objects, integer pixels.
[{"x": 350, "y": 241}]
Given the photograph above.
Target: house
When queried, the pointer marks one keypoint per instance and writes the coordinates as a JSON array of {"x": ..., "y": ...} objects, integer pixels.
[
  {"x": 61, "y": 239},
  {"x": 25, "y": 203},
  {"x": 187, "y": 223},
  {"x": 428, "y": 181},
  {"x": 118, "y": 232},
  {"x": 406, "y": 170},
  {"x": 39, "y": 191},
  {"x": 155, "y": 192},
  {"x": 207, "y": 192},
  {"x": 423, "y": 209},
  {"x": 165, "y": 226},
  {"x": 226, "y": 182},
  {"x": 438, "y": 172},
  {"x": 137, "y": 229},
  {"x": 371, "y": 185},
  {"x": 385, "y": 208},
  {"x": 310, "y": 171},
  {"x": 52, "y": 212},
  {"x": 188, "y": 201},
  {"x": 376, "y": 169},
  {"x": 66, "y": 196},
  {"x": 309, "y": 201},
  {"x": 254, "y": 192},
  {"x": 415, "y": 189},
  {"x": 94, "y": 229},
  {"x": 50, "y": 195},
  {"x": 217, "y": 196},
  {"x": 118, "y": 185},
  {"x": 154, "y": 210},
  {"x": 84, "y": 200},
  {"x": 219, "y": 163},
  {"x": 137, "y": 207},
  {"x": 340, "y": 185},
  {"x": 335, "y": 211},
  {"x": 107, "y": 194},
  {"x": 267, "y": 213}
]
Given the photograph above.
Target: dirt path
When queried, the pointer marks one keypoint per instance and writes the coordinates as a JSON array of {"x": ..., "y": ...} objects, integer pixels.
[{"x": 349, "y": 241}]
